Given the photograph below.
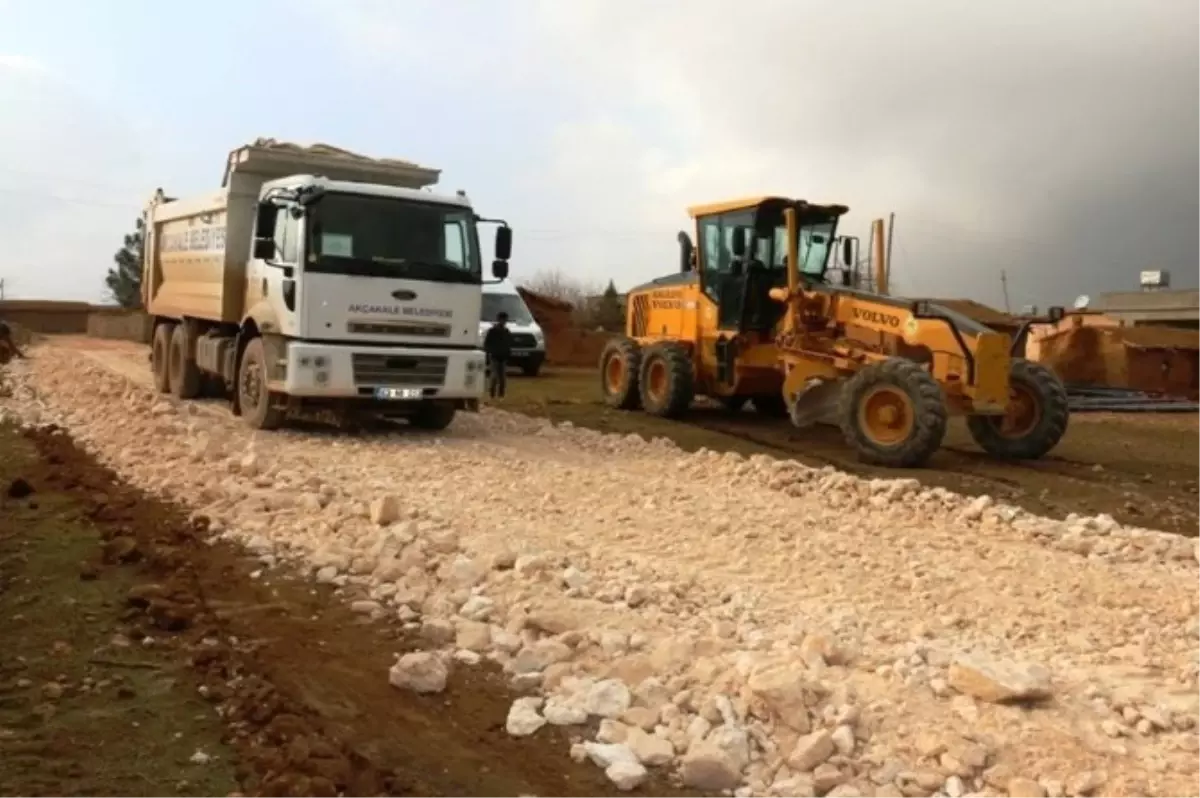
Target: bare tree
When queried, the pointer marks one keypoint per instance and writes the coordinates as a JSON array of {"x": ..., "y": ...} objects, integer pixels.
[{"x": 552, "y": 283}]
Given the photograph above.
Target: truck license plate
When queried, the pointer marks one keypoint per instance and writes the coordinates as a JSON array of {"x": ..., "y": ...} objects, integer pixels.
[{"x": 398, "y": 393}]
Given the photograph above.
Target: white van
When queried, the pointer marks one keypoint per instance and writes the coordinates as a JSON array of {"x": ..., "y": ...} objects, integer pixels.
[{"x": 528, "y": 341}]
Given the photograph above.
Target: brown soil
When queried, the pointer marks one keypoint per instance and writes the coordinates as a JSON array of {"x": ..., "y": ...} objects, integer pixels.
[
  {"x": 1139, "y": 468},
  {"x": 299, "y": 682}
]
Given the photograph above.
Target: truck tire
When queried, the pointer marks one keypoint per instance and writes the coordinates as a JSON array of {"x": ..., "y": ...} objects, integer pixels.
[
  {"x": 181, "y": 365},
  {"x": 666, "y": 381},
  {"x": 433, "y": 416},
  {"x": 893, "y": 414},
  {"x": 160, "y": 356},
  {"x": 1036, "y": 419},
  {"x": 253, "y": 396},
  {"x": 620, "y": 363}
]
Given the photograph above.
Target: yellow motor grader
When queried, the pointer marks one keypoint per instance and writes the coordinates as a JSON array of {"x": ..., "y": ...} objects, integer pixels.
[{"x": 753, "y": 316}]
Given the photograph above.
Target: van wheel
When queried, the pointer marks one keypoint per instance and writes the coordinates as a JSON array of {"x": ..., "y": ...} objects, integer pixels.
[{"x": 253, "y": 396}]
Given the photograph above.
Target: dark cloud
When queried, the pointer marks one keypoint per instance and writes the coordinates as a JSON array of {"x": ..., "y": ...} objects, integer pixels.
[{"x": 1057, "y": 141}]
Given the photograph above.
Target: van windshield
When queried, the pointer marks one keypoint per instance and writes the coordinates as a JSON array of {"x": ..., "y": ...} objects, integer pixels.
[
  {"x": 512, "y": 304},
  {"x": 368, "y": 236}
]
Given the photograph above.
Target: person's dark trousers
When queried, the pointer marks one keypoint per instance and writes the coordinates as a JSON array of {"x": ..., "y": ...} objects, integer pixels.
[{"x": 498, "y": 377}]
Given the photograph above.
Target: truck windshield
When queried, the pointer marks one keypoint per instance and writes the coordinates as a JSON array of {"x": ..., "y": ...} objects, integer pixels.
[
  {"x": 369, "y": 236},
  {"x": 512, "y": 304}
]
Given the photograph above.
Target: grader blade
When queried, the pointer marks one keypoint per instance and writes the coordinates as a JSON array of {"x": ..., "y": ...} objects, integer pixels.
[{"x": 816, "y": 404}]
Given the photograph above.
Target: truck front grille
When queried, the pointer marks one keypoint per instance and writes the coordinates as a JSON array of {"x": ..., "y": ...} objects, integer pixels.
[
  {"x": 373, "y": 369},
  {"x": 523, "y": 341},
  {"x": 397, "y": 328}
]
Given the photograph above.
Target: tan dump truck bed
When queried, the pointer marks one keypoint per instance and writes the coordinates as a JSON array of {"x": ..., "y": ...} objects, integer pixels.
[{"x": 196, "y": 248}]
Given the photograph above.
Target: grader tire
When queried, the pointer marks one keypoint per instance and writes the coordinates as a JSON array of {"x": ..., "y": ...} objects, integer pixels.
[
  {"x": 186, "y": 379},
  {"x": 1036, "y": 419},
  {"x": 893, "y": 414},
  {"x": 160, "y": 357},
  {"x": 666, "y": 381},
  {"x": 620, "y": 363}
]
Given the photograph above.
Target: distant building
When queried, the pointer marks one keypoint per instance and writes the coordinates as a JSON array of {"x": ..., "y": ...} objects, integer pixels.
[{"x": 1178, "y": 307}]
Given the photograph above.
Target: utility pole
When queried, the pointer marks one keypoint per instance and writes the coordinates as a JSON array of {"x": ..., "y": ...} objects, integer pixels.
[
  {"x": 888, "y": 261},
  {"x": 1004, "y": 288}
]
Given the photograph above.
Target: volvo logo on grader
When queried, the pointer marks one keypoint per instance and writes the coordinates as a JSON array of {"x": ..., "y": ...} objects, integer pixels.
[
  {"x": 875, "y": 317},
  {"x": 666, "y": 300}
]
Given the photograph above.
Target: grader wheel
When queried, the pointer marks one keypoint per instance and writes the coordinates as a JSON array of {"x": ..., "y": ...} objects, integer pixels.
[
  {"x": 666, "y": 381},
  {"x": 893, "y": 414},
  {"x": 619, "y": 365},
  {"x": 1036, "y": 419}
]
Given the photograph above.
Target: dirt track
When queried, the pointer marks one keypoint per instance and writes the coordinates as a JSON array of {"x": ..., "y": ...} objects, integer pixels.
[
  {"x": 1139, "y": 468},
  {"x": 779, "y": 600}
]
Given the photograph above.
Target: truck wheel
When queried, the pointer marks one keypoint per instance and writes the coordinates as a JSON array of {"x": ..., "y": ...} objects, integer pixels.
[
  {"x": 1036, "y": 418},
  {"x": 619, "y": 365},
  {"x": 893, "y": 414},
  {"x": 185, "y": 374},
  {"x": 160, "y": 356},
  {"x": 666, "y": 380},
  {"x": 253, "y": 396},
  {"x": 433, "y": 416}
]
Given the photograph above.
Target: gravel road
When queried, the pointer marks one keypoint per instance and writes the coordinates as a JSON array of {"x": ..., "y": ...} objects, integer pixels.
[{"x": 750, "y": 624}]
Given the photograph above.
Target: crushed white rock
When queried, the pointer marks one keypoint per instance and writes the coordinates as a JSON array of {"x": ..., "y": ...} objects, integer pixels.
[{"x": 797, "y": 632}]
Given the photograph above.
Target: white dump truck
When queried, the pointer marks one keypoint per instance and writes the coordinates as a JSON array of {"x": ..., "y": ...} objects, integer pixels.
[{"x": 319, "y": 283}]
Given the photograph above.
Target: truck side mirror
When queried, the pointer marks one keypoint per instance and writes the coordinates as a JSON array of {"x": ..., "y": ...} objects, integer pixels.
[
  {"x": 1056, "y": 314},
  {"x": 503, "y": 248},
  {"x": 738, "y": 244},
  {"x": 264, "y": 249},
  {"x": 500, "y": 267},
  {"x": 847, "y": 251},
  {"x": 264, "y": 226}
]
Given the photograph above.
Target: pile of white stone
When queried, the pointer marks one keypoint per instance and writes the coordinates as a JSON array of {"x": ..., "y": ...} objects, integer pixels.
[{"x": 661, "y": 654}]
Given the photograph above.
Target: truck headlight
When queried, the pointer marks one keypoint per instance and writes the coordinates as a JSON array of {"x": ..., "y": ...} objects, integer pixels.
[{"x": 320, "y": 361}]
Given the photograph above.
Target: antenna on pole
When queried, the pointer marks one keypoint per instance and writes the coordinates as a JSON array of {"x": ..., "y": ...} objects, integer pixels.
[{"x": 1004, "y": 288}]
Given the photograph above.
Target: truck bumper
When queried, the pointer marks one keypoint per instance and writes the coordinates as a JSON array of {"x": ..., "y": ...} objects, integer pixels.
[{"x": 348, "y": 371}]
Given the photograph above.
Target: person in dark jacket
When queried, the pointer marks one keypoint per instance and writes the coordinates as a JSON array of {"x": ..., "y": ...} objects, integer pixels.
[{"x": 497, "y": 345}]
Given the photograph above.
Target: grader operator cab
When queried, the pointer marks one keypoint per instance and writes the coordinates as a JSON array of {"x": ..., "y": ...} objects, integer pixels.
[{"x": 751, "y": 317}]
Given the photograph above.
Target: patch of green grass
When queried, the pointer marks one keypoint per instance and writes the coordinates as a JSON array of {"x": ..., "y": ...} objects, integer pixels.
[{"x": 84, "y": 710}]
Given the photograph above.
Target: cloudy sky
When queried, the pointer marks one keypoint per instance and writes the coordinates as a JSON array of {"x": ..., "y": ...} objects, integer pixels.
[{"x": 1056, "y": 141}]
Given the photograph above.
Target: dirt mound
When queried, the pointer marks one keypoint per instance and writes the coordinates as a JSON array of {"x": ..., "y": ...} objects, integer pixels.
[
  {"x": 1155, "y": 360},
  {"x": 567, "y": 344}
]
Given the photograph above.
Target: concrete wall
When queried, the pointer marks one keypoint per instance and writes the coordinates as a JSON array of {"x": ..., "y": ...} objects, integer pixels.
[
  {"x": 122, "y": 324},
  {"x": 76, "y": 318},
  {"x": 1179, "y": 306}
]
